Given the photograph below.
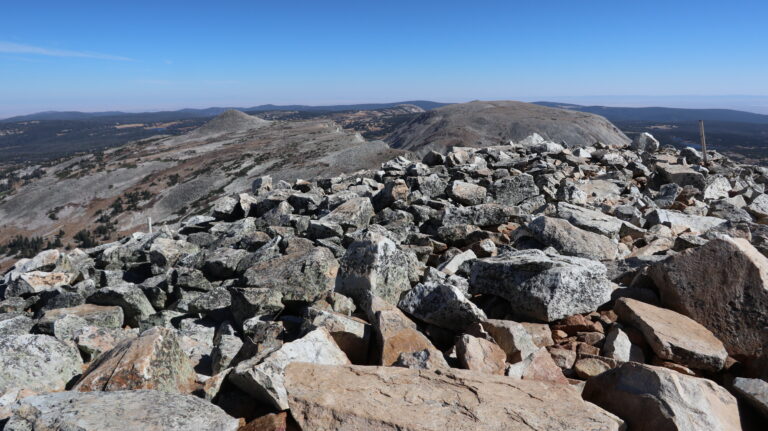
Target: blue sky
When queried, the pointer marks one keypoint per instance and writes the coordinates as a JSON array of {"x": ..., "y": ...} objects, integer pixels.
[{"x": 167, "y": 54}]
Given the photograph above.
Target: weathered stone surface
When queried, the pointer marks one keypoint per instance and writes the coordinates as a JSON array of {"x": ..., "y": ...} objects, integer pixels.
[
  {"x": 302, "y": 276},
  {"x": 538, "y": 366},
  {"x": 514, "y": 190},
  {"x": 543, "y": 286},
  {"x": 390, "y": 398},
  {"x": 38, "y": 363},
  {"x": 265, "y": 380},
  {"x": 673, "y": 336},
  {"x": 481, "y": 355},
  {"x": 33, "y": 282},
  {"x": 397, "y": 335},
  {"x": 618, "y": 346},
  {"x": 374, "y": 264},
  {"x": 96, "y": 315},
  {"x": 512, "y": 337},
  {"x": 654, "y": 398},
  {"x": 587, "y": 368},
  {"x": 144, "y": 410},
  {"x": 154, "y": 360},
  {"x": 442, "y": 305},
  {"x": 681, "y": 175},
  {"x": 352, "y": 335},
  {"x": 482, "y": 215},
  {"x": 590, "y": 220},
  {"x": 355, "y": 213},
  {"x": 93, "y": 340},
  {"x": 18, "y": 325},
  {"x": 754, "y": 391},
  {"x": 165, "y": 251},
  {"x": 451, "y": 266},
  {"x": 467, "y": 193},
  {"x": 696, "y": 223},
  {"x": 645, "y": 142},
  {"x": 540, "y": 333},
  {"x": 723, "y": 285},
  {"x": 571, "y": 240},
  {"x": 130, "y": 298},
  {"x": 252, "y": 302}
]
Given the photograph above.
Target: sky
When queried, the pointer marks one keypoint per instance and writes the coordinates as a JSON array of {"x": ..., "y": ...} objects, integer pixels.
[{"x": 168, "y": 54}]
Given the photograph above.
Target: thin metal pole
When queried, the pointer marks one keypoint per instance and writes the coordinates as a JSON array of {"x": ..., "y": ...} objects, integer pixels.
[
  {"x": 149, "y": 225},
  {"x": 703, "y": 141}
]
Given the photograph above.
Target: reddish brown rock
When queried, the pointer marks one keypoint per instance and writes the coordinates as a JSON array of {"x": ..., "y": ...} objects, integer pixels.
[
  {"x": 672, "y": 336},
  {"x": 155, "y": 360},
  {"x": 397, "y": 335},
  {"x": 354, "y": 398},
  {"x": 590, "y": 367},
  {"x": 480, "y": 355},
  {"x": 723, "y": 285}
]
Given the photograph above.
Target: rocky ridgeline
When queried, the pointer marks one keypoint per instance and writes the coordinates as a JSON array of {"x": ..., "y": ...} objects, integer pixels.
[{"x": 524, "y": 286}]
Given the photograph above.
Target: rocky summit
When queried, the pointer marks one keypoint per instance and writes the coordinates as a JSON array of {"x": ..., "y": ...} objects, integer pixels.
[{"x": 523, "y": 286}]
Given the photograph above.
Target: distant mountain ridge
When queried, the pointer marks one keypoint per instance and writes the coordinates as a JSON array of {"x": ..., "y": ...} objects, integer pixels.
[
  {"x": 206, "y": 112},
  {"x": 660, "y": 114}
]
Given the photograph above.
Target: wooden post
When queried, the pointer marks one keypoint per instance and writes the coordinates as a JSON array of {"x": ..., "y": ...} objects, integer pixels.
[
  {"x": 149, "y": 225},
  {"x": 703, "y": 141}
]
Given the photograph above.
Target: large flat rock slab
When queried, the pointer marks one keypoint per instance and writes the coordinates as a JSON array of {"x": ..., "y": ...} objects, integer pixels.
[
  {"x": 673, "y": 336},
  {"x": 346, "y": 398},
  {"x": 120, "y": 410},
  {"x": 654, "y": 398},
  {"x": 724, "y": 286}
]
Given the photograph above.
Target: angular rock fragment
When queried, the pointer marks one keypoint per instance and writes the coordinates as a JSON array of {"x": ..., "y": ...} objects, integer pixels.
[
  {"x": 376, "y": 265},
  {"x": 654, "y": 398},
  {"x": 723, "y": 285},
  {"x": 123, "y": 410},
  {"x": 673, "y": 336},
  {"x": 301, "y": 276},
  {"x": 543, "y": 286},
  {"x": 154, "y": 360},
  {"x": 129, "y": 297},
  {"x": 442, "y": 305},
  {"x": 265, "y": 380},
  {"x": 347, "y": 398},
  {"x": 38, "y": 363},
  {"x": 481, "y": 355},
  {"x": 512, "y": 337},
  {"x": 571, "y": 240},
  {"x": 754, "y": 391}
]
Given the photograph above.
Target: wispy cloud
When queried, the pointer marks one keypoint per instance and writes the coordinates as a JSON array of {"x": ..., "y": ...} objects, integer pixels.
[{"x": 17, "y": 48}]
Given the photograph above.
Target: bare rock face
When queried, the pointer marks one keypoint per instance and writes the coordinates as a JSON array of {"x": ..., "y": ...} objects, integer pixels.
[
  {"x": 396, "y": 335},
  {"x": 441, "y": 304},
  {"x": 154, "y": 360},
  {"x": 672, "y": 336},
  {"x": 512, "y": 337},
  {"x": 124, "y": 410},
  {"x": 481, "y": 355},
  {"x": 38, "y": 363},
  {"x": 265, "y": 380},
  {"x": 374, "y": 264},
  {"x": 571, "y": 240},
  {"x": 355, "y": 213},
  {"x": 724, "y": 286},
  {"x": 136, "y": 307},
  {"x": 754, "y": 391},
  {"x": 652, "y": 398},
  {"x": 301, "y": 276},
  {"x": 543, "y": 286},
  {"x": 386, "y": 398}
]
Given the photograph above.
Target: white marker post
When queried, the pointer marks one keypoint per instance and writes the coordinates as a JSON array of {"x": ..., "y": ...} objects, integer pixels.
[{"x": 703, "y": 141}]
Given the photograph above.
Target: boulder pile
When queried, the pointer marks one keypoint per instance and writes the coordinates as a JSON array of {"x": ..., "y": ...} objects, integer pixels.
[{"x": 520, "y": 287}]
